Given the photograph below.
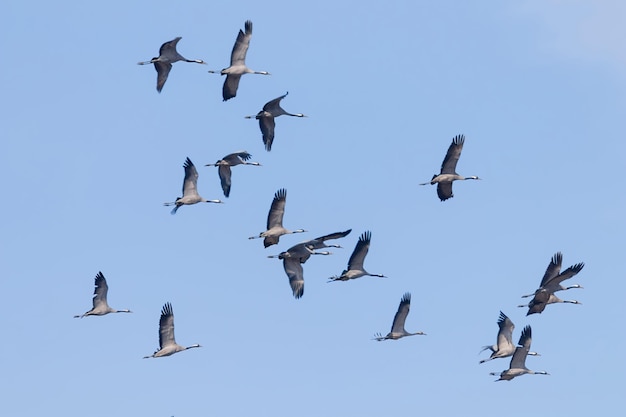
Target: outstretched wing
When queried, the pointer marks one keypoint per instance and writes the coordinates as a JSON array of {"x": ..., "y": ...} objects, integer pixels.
[
  {"x": 224, "y": 173},
  {"x": 191, "y": 179},
  {"x": 238, "y": 55},
  {"x": 403, "y": 311},
  {"x": 294, "y": 271},
  {"x": 267, "y": 125},
  {"x": 166, "y": 326},
  {"x": 360, "y": 251},
  {"x": 452, "y": 156}
]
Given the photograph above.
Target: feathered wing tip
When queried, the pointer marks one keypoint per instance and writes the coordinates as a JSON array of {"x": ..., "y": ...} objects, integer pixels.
[
  {"x": 298, "y": 290},
  {"x": 406, "y": 298},
  {"x": 188, "y": 163},
  {"x": 526, "y": 334},
  {"x": 379, "y": 337},
  {"x": 99, "y": 277},
  {"x": 458, "y": 139},
  {"x": 502, "y": 318},
  {"x": 248, "y": 27},
  {"x": 167, "y": 309},
  {"x": 366, "y": 236},
  {"x": 280, "y": 194}
]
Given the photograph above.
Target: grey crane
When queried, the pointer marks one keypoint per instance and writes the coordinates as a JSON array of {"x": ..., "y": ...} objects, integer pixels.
[
  {"x": 231, "y": 160},
  {"x": 518, "y": 361},
  {"x": 551, "y": 283},
  {"x": 504, "y": 346},
  {"x": 100, "y": 305},
  {"x": 295, "y": 256},
  {"x": 238, "y": 63},
  {"x": 163, "y": 63},
  {"x": 271, "y": 110},
  {"x": 541, "y": 299},
  {"x": 448, "y": 170},
  {"x": 397, "y": 328},
  {"x": 355, "y": 264},
  {"x": 167, "y": 342},
  {"x": 553, "y": 277},
  {"x": 190, "y": 189},
  {"x": 275, "y": 227}
]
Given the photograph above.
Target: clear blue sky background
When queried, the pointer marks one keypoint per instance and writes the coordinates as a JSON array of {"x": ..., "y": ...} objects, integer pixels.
[{"x": 90, "y": 151}]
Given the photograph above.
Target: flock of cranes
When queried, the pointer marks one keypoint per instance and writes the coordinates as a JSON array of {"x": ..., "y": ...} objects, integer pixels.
[
  {"x": 297, "y": 255},
  {"x": 544, "y": 295}
]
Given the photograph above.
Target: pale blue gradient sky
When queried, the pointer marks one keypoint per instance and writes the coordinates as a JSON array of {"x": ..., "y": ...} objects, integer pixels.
[{"x": 90, "y": 151}]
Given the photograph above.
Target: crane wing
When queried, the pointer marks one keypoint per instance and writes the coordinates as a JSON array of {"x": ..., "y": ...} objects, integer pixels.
[
  {"x": 400, "y": 317},
  {"x": 101, "y": 290},
  {"x": 335, "y": 235},
  {"x": 231, "y": 84},
  {"x": 452, "y": 156},
  {"x": 444, "y": 190},
  {"x": 163, "y": 70},
  {"x": 267, "y": 125},
  {"x": 553, "y": 268},
  {"x": 169, "y": 48},
  {"x": 224, "y": 173},
  {"x": 360, "y": 251},
  {"x": 273, "y": 106},
  {"x": 567, "y": 274},
  {"x": 166, "y": 326},
  {"x": 191, "y": 179},
  {"x": 294, "y": 271},
  {"x": 238, "y": 55},
  {"x": 518, "y": 361},
  {"x": 277, "y": 209},
  {"x": 505, "y": 334}
]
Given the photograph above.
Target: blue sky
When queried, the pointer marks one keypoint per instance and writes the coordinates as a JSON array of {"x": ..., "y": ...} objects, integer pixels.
[{"x": 90, "y": 151}]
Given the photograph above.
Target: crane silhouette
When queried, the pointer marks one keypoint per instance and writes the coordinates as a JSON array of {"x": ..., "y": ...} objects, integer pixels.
[
  {"x": 100, "y": 305},
  {"x": 163, "y": 63},
  {"x": 355, "y": 264},
  {"x": 504, "y": 346},
  {"x": 551, "y": 283},
  {"x": 448, "y": 170},
  {"x": 517, "y": 366},
  {"x": 223, "y": 167},
  {"x": 190, "y": 189},
  {"x": 238, "y": 63},
  {"x": 397, "y": 328},
  {"x": 275, "y": 227},
  {"x": 271, "y": 110},
  {"x": 295, "y": 256},
  {"x": 167, "y": 342}
]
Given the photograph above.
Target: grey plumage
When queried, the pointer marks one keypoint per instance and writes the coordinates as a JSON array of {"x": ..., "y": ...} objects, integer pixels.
[
  {"x": 275, "y": 227},
  {"x": 100, "y": 305},
  {"x": 448, "y": 170},
  {"x": 295, "y": 256},
  {"x": 504, "y": 346},
  {"x": 224, "y": 171},
  {"x": 355, "y": 264},
  {"x": 271, "y": 110},
  {"x": 163, "y": 63},
  {"x": 167, "y": 341},
  {"x": 238, "y": 63},
  {"x": 517, "y": 366},
  {"x": 397, "y": 328},
  {"x": 190, "y": 189},
  {"x": 551, "y": 283}
]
